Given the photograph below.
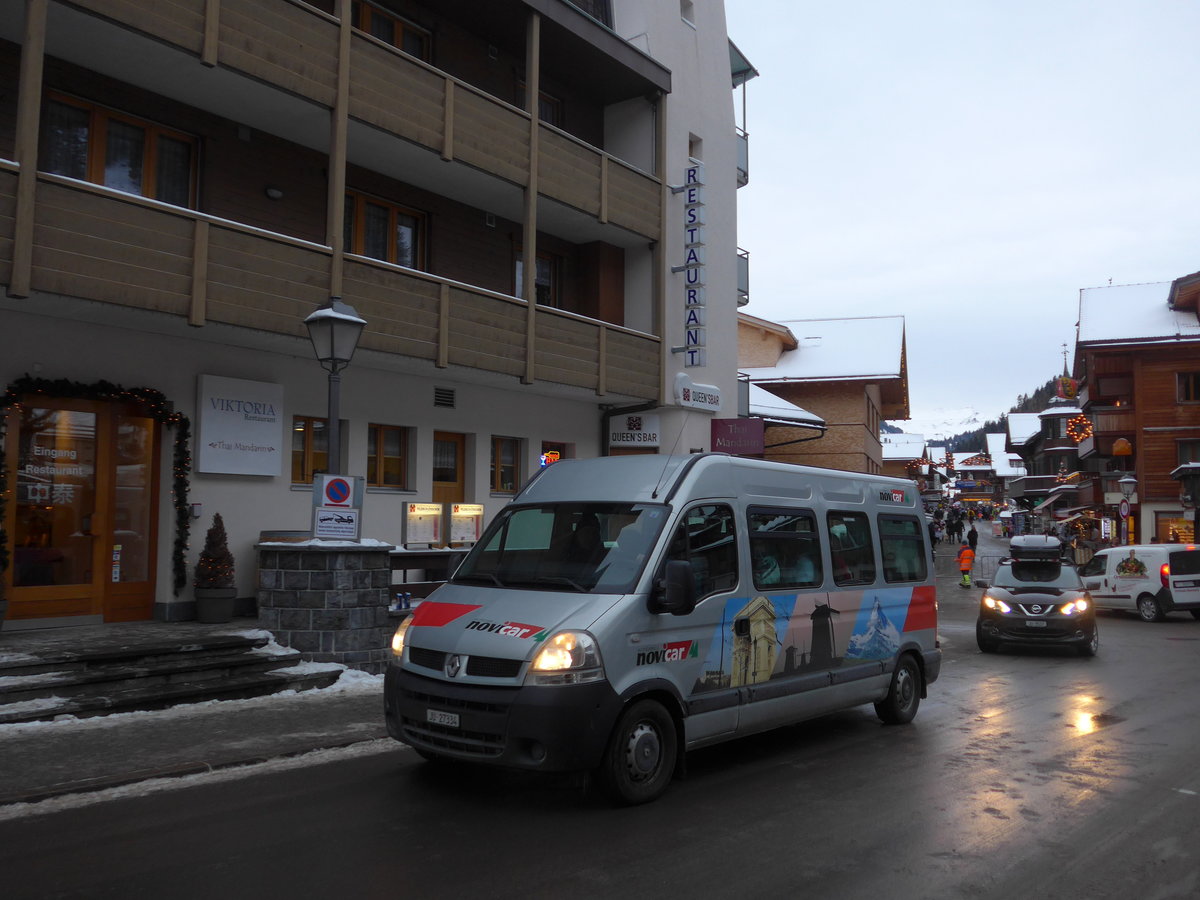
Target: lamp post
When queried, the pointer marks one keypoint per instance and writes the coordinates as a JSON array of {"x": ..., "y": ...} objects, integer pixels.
[
  {"x": 1128, "y": 485},
  {"x": 334, "y": 329}
]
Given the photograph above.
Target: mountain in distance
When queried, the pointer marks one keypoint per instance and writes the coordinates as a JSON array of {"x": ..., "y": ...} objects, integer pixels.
[{"x": 962, "y": 428}]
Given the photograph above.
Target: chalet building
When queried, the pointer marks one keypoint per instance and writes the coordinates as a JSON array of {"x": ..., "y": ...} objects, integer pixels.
[
  {"x": 1049, "y": 489},
  {"x": 820, "y": 365},
  {"x": 909, "y": 456},
  {"x": 1137, "y": 359},
  {"x": 531, "y": 203}
]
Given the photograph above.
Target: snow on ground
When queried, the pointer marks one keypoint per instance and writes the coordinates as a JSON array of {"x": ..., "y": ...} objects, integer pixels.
[
  {"x": 160, "y": 785},
  {"x": 351, "y": 681}
]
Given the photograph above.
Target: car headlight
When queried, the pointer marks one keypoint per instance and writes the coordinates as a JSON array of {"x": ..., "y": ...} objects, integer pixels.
[
  {"x": 570, "y": 657},
  {"x": 1075, "y": 606},
  {"x": 398, "y": 638},
  {"x": 999, "y": 605}
]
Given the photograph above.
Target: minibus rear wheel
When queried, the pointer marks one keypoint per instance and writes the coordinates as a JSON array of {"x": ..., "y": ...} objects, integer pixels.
[
  {"x": 640, "y": 759},
  {"x": 904, "y": 696}
]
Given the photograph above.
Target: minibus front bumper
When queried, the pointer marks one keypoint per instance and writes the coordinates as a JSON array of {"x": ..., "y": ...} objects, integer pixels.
[{"x": 556, "y": 728}]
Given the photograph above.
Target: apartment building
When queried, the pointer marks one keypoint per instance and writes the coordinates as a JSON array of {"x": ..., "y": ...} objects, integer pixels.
[{"x": 531, "y": 203}]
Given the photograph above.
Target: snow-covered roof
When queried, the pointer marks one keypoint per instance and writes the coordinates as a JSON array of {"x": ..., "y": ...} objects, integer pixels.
[
  {"x": 766, "y": 405},
  {"x": 902, "y": 446},
  {"x": 1059, "y": 409},
  {"x": 960, "y": 462},
  {"x": 839, "y": 349},
  {"x": 1023, "y": 427},
  {"x": 1133, "y": 312},
  {"x": 1004, "y": 464}
]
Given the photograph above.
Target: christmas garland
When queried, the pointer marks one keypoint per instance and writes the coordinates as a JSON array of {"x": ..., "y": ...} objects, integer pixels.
[{"x": 155, "y": 406}]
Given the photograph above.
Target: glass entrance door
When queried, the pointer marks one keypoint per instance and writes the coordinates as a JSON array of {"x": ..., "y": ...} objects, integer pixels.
[{"x": 81, "y": 523}]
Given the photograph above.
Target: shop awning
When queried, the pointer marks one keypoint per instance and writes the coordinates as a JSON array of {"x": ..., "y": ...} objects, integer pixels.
[{"x": 1045, "y": 502}]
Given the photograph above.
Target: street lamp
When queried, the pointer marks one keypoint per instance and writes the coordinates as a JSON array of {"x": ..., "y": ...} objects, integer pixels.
[
  {"x": 334, "y": 329},
  {"x": 1127, "y": 484}
]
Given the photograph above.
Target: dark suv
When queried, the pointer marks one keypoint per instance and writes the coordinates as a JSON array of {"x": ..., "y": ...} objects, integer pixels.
[{"x": 1036, "y": 598}]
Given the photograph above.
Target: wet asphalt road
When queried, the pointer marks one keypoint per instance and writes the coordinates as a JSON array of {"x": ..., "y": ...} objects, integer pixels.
[{"x": 1025, "y": 774}]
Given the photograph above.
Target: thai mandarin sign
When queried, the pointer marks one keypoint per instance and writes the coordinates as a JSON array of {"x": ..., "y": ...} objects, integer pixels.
[
  {"x": 694, "y": 259},
  {"x": 737, "y": 436}
]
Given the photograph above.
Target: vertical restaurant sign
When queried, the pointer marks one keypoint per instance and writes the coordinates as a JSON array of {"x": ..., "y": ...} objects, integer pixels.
[
  {"x": 693, "y": 268},
  {"x": 241, "y": 426}
]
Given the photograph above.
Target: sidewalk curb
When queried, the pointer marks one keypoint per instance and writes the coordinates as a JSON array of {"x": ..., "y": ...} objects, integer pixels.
[{"x": 107, "y": 782}]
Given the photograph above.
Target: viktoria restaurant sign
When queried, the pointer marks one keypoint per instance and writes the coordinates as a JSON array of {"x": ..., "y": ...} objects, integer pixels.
[{"x": 241, "y": 426}]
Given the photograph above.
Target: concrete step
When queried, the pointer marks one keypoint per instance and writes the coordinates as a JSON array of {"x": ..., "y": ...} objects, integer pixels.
[{"x": 115, "y": 674}]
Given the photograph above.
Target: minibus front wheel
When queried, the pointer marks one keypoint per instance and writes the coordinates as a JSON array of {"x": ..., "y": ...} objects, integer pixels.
[{"x": 639, "y": 761}]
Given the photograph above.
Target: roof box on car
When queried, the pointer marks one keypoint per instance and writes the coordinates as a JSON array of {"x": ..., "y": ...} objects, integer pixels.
[{"x": 1035, "y": 546}]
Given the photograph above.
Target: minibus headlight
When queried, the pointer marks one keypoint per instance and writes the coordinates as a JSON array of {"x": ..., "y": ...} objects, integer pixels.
[
  {"x": 398, "y": 638},
  {"x": 999, "y": 605},
  {"x": 570, "y": 657}
]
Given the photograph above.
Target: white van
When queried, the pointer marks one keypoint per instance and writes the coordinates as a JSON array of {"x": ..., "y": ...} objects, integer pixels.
[
  {"x": 1150, "y": 579},
  {"x": 621, "y": 611}
]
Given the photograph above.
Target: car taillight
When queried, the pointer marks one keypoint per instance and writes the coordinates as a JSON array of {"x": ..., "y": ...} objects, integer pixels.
[{"x": 1164, "y": 574}]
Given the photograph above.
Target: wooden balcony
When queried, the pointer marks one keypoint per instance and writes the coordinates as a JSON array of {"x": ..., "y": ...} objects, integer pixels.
[
  {"x": 98, "y": 244},
  {"x": 294, "y": 47}
]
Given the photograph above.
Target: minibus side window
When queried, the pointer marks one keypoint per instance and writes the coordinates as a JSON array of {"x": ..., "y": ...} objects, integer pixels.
[
  {"x": 785, "y": 549},
  {"x": 902, "y": 540},
  {"x": 707, "y": 539},
  {"x": 851, "y": 548}
]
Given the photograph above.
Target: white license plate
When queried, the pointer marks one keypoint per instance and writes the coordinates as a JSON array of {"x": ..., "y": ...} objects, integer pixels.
[
  {"x": 1035, "y": 623},
  {"x": 438, "y": 717}
]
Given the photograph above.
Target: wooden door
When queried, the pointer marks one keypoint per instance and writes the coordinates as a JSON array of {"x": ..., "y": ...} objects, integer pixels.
[
  {"x": 82, "y": 521},
  {"x": 449, "y": 452}
]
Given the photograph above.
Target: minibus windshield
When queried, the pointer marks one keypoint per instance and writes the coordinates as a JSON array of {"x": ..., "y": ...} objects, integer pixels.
[{"x": 598, "y": 548}]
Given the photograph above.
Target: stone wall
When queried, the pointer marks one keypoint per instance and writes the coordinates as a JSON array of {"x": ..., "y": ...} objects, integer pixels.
[{"x": 329, "y": 601}]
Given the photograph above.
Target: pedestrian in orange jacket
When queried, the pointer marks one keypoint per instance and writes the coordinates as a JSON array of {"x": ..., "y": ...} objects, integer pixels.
[{"x": 966, "y": 559}]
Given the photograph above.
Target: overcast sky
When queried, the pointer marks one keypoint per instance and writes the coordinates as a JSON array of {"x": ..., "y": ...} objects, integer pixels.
[{"x": 970, "y": 165}]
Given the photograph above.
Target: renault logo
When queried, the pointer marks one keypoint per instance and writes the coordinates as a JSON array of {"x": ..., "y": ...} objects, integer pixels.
[{"x": 453, "y": 665}]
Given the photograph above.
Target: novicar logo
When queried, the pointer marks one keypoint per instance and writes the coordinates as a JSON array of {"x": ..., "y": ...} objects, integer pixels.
[
  {"x": 676, "y": 651},
  {"x": 892, "y": 496}
]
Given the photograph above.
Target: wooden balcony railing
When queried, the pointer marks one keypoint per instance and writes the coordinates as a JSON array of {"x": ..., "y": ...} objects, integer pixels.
[
  {"x": 295, "y": 47},
  {"x": 99, "y": 244}
]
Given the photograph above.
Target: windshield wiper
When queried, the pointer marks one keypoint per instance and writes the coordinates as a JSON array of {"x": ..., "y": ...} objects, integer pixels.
[
  {"x": 480, "y": 576},
  {"x": 560, "y": 579}
]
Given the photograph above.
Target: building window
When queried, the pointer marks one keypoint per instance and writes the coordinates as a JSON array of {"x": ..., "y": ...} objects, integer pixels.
[
  {"x": 506, "y": 467},
  {"x": 310, "y": 448},
  {"x": 1187, "y": 452},
  {"x": 550, "y": 108},
  {"x": 545, "y": 282},
  {"x": 391, "y": 29},
  {"x": 387, "y": 456},
  {"x": 384, "y": 231},
  {"x": 1188, "y": 387},
  {"x": 91, "y": 143}
]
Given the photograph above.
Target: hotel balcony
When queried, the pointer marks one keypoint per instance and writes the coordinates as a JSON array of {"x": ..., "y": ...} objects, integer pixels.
[
  {"x": 743, "y": 277},
  {"x": 288, "y": 71}
]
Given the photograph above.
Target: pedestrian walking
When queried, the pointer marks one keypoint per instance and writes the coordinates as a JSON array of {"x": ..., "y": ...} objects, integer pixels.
[
  {"x": 973, "y": 538},
  {"x": 966, "y": 559}
]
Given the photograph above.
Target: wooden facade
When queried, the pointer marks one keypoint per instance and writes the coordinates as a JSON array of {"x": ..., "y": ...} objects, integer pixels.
[{"x": 239, "y": 260}]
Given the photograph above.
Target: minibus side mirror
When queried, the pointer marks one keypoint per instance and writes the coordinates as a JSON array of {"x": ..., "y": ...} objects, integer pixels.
[{"x": 675, "y": 592}]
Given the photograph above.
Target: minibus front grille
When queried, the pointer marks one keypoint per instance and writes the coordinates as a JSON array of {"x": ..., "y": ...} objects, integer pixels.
[
  {"x": 476, "y": 743},
  {"x": 478, "y": 666},
  {"x": 454, "y": 703}
]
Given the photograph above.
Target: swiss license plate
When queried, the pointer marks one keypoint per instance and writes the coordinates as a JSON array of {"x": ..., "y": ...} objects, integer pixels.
[
  {"x": 438, "y": 717},
  {"x": 1035, "y": 623}
]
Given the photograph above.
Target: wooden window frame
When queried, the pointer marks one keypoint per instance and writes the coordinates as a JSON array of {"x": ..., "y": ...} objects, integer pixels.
[
  {"x": 1187, "y": 387},
  {"x": 361, "y": 13},
  {"x": 375, "y": 452},
  {"x": 550, "y": 107},
  {"x": 307, "y": 465},
  {"x": 356, "y": 213},
  {"x": 498, "y": 442},
  {"x": 97, "y": 143}
]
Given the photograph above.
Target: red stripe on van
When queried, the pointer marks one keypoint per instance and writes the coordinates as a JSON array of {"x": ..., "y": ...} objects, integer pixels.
[
  {"x": 922, "y": 609},
  {"x": 435, "y": 615}
]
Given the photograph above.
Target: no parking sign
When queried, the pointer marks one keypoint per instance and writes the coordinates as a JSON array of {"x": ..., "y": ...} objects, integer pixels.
[{"x": 337, "y": 502}]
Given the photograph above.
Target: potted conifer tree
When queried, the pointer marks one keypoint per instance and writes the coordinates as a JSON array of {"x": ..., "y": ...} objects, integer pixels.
[{"x": 214, "y": 578}]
